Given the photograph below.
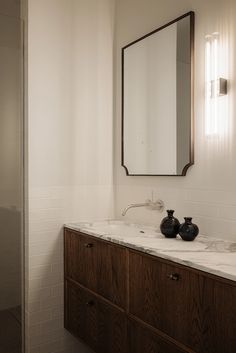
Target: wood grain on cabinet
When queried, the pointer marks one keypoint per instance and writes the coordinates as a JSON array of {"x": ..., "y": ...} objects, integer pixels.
[
  {"x": 218, "y": 324},
  {"x": 166, "y": 297},
  {"x": 142, "y": 339},
  {"x": 196, "y": 309},
  {"x": 98, "y": 265},
  {"x": 100, "y": 325},
  {"x": 120, "y": 300}
]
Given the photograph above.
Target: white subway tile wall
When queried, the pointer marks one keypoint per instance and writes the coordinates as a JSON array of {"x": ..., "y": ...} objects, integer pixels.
[
  {"x": 208, "y": 191},
  {"x": 44, "y": 261},
  {"x": 214, "y": 217},
  {"x": 70, "y": 141},
  {"x": 70, "y": 144}
]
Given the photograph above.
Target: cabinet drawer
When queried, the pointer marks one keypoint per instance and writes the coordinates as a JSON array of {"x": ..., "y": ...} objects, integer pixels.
[
  {"x": 189, "y": 306},
  {"x": 218, "y": 322},
  {"x": 97, "y": 323},
  {"x": 167, "y": 297},
  {"x": 97, "y": 265},
  {"x": 142, "y": 339}
]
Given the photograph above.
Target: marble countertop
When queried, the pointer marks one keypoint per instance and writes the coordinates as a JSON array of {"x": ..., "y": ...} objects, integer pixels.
[{"x": 207, "y": 254}]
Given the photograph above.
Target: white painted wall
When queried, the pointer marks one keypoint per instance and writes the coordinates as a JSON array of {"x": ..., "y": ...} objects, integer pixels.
[
  {"x": 70, "y": 175},
  {"x": 208, "y": 192}
]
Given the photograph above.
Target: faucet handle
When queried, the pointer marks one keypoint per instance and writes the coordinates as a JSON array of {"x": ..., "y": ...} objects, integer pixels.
[{"x": 156, "y": 205}]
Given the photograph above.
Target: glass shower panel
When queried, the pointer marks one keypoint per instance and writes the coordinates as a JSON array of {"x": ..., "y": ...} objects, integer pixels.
[{"x": 10, "y": 182}]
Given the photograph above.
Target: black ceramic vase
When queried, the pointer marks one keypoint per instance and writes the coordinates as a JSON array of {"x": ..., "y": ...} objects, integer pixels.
[
  {"x": 187, "y": 230},
  {"x": 170, "y": 225}
]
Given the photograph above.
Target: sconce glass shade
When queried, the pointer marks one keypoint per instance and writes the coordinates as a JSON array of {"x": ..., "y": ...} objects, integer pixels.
[{"x": 215, "y": 86}]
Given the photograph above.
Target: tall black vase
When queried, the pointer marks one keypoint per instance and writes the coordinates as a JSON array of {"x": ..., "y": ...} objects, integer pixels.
[
  {"x": 188, "y": 230},
  {"x": 170, "y": 225}
]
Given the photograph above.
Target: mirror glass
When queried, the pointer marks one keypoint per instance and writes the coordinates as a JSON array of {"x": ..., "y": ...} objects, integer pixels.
[{"x": 157, "y": 107}]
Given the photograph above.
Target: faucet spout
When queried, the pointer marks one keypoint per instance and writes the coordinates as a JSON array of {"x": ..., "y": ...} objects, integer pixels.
[
  {"x": 152, "y": 205},
  {"x": 132, "y": 206}
]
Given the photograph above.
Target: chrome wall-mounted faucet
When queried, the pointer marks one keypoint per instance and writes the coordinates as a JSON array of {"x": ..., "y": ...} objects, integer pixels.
[{"x": 152, "y": 205}]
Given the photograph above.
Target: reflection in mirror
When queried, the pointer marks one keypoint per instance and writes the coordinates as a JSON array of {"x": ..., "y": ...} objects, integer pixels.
[{"x": 157, "y": 100}]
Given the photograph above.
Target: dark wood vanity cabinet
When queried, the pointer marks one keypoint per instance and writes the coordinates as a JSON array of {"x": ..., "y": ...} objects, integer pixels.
[{"x": 119, "y": 300}]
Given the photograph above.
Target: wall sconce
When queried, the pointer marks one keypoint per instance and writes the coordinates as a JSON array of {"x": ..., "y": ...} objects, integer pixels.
[
  {"x": 221, "y": 87},
  {"x": 215, "y": 86}
]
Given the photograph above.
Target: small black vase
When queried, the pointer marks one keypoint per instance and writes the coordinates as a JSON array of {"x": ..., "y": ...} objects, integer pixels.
[
  {"x": 170, "y": 225},
  {"x": 188, "y": 230}
]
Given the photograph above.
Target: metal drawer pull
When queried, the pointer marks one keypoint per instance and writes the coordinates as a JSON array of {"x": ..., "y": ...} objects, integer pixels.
[
  {"x": 88, "y": 245},
  {"x": 90, "y": 303},
  {"x": 174, "y": 277}
]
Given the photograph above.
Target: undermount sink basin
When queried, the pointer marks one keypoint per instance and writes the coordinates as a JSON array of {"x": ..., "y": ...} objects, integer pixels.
[{"x": 122, "y": 229}]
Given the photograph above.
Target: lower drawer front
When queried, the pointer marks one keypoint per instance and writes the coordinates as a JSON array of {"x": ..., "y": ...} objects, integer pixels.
[
  {"x": 144, "y": 340},
  {"x": 97, "y": 323}
]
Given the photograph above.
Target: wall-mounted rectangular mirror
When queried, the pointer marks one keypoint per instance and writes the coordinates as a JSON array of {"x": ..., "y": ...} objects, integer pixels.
[{"x": 157, "y": 100}]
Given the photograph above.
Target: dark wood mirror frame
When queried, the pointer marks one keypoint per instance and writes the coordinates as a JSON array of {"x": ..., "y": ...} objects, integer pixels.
[{"x": 191, "y": 152}]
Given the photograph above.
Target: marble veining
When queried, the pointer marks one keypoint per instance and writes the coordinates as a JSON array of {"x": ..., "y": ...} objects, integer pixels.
[{"x": 211, "y": 255}]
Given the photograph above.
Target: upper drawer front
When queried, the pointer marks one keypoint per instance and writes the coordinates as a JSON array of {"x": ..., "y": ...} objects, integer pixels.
[
  {"x": 166, "y": 297},
  {"x": 97, "y": 265}
]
